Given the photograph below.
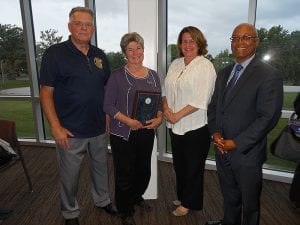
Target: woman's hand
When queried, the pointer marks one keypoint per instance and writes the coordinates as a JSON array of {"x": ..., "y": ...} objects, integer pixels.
[
  {"x": 134, "y": 124},
  {"x": 155, "y": 122},
  {"x": 171, "y": 117}
]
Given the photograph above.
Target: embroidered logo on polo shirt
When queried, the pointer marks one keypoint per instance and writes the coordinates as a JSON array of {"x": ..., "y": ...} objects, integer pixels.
[{"x": 98, "y": 63}]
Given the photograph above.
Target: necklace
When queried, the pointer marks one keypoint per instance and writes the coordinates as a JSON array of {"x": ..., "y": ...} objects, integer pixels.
[
  {"x": 137, "y": 71},
  {"x": 146, "y": 82}
]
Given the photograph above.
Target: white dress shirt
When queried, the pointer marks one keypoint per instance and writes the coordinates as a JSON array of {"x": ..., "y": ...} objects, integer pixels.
[{"x": 191, "y": 84}]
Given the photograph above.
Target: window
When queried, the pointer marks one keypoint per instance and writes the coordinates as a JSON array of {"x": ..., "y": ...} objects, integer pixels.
[
  {"x": 112, "y": 24},
  {"x": 278, "y": 25},
  {"x": 14, "y": 84},
  {"x": 216, "y": 19},
  {"x": 12, "y": 54}
]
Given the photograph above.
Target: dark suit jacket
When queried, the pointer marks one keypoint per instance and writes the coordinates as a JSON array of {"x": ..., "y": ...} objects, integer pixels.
[{"x": 250, "y": 112}]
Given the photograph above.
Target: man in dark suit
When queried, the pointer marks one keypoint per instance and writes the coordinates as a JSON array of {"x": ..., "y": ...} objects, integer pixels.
[{"x": 239, "y": 119}]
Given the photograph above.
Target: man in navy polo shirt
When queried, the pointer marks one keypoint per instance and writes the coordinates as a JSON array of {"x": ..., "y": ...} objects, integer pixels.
[{"x": 73, "y": 75}]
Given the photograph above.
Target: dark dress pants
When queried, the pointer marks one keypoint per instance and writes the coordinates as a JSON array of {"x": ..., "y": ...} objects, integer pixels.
[
  {"x": 241, "y": 187},
  {"x": 132, "y": 167},
  {"x": 189, "y": 154}
]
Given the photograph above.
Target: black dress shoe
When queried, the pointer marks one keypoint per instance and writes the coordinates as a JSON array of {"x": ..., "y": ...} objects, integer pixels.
[
  {"x": 144, "y": 205},
  {"x": 128, "y": 220},
  {"x": 214, "y": 222},
  {"x": 73, "y": 221},
  {"x": 110, "y": 209},
  {"x": 5, "y": 213},
  {"x": 4, "y": 216}
]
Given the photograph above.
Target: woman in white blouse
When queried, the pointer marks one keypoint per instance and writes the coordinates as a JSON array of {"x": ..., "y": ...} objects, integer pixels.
[{"x": 187, "y": 91}]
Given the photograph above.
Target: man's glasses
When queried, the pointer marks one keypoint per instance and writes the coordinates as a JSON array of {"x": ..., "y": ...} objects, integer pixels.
[{"x": 243, "y": 38}]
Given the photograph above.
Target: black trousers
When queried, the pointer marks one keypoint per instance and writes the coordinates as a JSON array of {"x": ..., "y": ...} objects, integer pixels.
[
  {"x": 295, "y": 188},
  {"x": 189, "y": 154},
  {"x": 132, "y": 167}
]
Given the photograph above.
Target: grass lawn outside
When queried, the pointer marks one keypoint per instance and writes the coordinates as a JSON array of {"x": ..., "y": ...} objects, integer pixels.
[{"x": 7, "y": 84}]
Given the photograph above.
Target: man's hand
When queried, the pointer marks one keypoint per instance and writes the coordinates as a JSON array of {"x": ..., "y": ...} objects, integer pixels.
[
  {"x": 229, "y": 145},
  {"x": 223, "y": 145},
  {"x": 61, "y": 135},
  {"x": 218, "y": 141}
]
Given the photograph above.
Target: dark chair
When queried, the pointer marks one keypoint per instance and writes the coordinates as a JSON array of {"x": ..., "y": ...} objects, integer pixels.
[{"x": 8, "y": 134}]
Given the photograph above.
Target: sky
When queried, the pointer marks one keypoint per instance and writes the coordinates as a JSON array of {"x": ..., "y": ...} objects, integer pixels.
[{"x": 215, "y": 18}]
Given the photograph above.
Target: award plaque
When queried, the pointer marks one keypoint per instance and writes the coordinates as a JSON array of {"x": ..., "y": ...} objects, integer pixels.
[{"x": 145, "y": 105}]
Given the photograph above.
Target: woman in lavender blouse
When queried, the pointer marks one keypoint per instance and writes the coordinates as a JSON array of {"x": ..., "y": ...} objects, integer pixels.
[{"x": 131, "y": 141}]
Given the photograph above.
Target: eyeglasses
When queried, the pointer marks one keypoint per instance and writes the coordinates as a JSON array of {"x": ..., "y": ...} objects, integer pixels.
[{"x": 243, "y": 38}]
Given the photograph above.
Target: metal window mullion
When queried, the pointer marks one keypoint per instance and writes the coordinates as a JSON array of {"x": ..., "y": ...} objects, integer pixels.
[
  {"x": 91, "y": 5},
  {"x": 252, "y": 11},
  {"x": 29, "y": 39}
]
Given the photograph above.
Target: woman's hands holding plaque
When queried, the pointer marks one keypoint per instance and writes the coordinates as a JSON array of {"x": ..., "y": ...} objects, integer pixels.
[{"x": 155, "y": 122}]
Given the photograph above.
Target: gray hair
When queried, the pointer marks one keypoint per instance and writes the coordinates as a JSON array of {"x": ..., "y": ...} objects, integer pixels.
[
  {"x": 129, "y": 37},
  {"x": 80, "y": 9}
]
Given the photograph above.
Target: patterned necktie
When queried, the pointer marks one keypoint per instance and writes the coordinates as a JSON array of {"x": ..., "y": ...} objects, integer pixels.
[{"x": 235, "y": 76}]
